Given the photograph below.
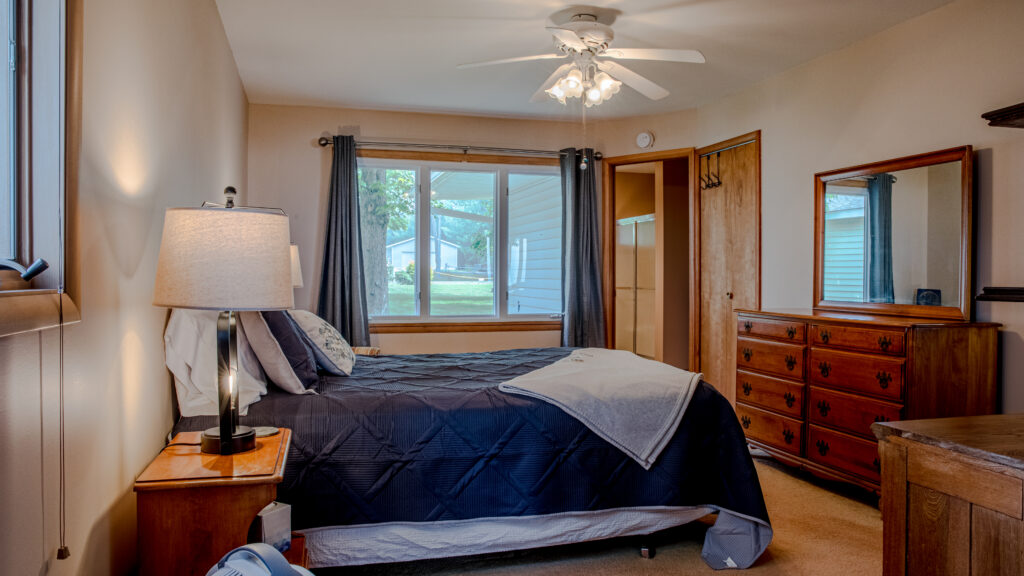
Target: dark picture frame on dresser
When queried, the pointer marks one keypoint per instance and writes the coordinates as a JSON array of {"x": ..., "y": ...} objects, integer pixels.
[{"x": 811, "y": 382}]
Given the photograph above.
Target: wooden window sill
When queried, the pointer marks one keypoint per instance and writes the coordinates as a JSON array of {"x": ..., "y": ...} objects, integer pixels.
[
  {"x": 436, "y": 327},
  {"x": 30, "y": 310}
]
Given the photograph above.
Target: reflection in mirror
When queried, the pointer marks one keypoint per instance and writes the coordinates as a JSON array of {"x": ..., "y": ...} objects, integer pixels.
[{"x": 894, "y": 237}]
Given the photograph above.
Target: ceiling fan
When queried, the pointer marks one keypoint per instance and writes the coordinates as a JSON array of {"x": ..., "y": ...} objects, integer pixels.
[{"x": 593, "y": 73}]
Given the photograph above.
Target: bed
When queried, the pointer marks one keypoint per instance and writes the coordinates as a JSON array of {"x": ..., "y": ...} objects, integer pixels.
[{"x": 421, "y": 456}]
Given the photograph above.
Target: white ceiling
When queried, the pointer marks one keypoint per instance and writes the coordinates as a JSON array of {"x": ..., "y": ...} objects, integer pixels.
[{"x": 401, "y": 54}]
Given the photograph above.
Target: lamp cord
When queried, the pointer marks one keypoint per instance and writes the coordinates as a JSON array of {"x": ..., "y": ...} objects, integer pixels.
[{"x": 62, "y": 552}]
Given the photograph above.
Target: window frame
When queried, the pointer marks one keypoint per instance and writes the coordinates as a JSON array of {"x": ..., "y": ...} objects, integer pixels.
[
  {"x": 423, "y": 165},
  {"x": 49, "y": 103}
]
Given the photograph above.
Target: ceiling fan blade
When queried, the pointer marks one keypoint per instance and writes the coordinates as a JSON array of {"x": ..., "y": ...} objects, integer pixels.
[
  {"x": 540, "y": 95},
  {"x": 567, "y": 37},
  {"x": 511, "y": 60},
  {"x": 663, "y": 54},
  {"x": 633, "y": 80}
]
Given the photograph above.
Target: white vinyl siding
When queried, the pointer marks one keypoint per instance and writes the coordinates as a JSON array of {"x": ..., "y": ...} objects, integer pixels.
[
  {"x": 844, "y": 255},
  {"x": 534, "y": 244}
]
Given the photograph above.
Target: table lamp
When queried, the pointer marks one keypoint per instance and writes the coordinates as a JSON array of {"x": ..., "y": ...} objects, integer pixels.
[
  {"x": 296, "y": 268},
  {"x": 227, "y": 259}
]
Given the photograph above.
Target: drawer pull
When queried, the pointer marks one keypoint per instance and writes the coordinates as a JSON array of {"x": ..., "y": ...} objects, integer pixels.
[
  {"x": 825, "y": 368},
  {"x": 790, "y": 399},
  {"x": 824, "y": 407},
  {"x": 824, "y": 336},
  {"x": 884, "y": 342},
  {"x": 788, "y": 435},
  {"x": 822, "y": 447},
  {"x": 791, "y": 332},
  {"x": 747, "y": 354},
  {"x": 747, "y": 326},
  {"x": 790, "y": 362},
  {"x": 884, "y": 378},
  {"x": 877, "y": 464},
  {"x": 747, "y": 388},
  {"x": 745, "y": 420},
  {"x": 881, "y": 419}
]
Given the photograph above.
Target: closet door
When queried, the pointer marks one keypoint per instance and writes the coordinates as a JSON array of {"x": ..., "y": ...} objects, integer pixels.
[
  {"x": 645, "y": 288},
  {"x": 625, "y": 285},
  {"x": 730, "y": 254}
]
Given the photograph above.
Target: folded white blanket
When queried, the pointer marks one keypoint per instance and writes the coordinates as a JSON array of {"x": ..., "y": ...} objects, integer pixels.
[{"x": 633, "y": 403}]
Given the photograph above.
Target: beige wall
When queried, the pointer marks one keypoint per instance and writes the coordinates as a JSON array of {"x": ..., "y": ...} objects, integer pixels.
[
  {"x": 919, "y": 86},
  {"x": 287, "y": 169},
  {"x": 164, "y": 124}
]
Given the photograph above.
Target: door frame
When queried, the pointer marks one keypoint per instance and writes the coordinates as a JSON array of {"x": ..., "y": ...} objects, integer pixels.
[
  {"x": 740, "y": 140},
  {"x": 608, "y": 166}
]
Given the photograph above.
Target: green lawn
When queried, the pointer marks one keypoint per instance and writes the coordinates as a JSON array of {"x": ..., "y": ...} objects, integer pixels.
[{"x": 462, "y": 298}]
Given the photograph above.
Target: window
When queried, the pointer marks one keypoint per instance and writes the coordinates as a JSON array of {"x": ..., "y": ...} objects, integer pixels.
[
  {"x": 459, "y": 241},
  {"x": 8, "y": 130},
  {"x": 844, "y": 246}
]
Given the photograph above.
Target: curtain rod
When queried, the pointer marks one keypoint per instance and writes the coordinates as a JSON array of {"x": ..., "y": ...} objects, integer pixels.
[{"x": 325, "y": 141}]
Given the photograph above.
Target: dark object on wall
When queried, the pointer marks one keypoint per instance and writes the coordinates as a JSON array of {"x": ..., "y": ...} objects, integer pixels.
[
  {"x": 928, "y": 297},
  {"x": 1002, "y": 294},
  {"x": 1009, "y": 117}
]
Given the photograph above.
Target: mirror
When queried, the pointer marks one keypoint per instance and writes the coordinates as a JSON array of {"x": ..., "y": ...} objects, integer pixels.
[{"x": 894, "y": 237}]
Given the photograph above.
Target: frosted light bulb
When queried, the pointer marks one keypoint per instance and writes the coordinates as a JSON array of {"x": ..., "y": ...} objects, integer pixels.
[
  {"x": 574, "y": 79},
  {"x": 594, "y": 95}
]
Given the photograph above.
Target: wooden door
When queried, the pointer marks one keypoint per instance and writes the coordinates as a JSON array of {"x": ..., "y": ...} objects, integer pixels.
[{"x": 730, "y": 253}]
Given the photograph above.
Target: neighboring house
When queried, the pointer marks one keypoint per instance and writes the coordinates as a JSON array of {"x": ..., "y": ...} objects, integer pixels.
[{"x": 401, "y": 254}]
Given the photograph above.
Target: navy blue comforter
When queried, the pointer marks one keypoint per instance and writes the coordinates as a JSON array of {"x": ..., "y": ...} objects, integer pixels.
[{"x": 430, "y": 437}]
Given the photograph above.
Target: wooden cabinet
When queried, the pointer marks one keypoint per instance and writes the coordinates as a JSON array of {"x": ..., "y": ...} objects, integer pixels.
[
  {"x": 193, "y": 508},
  {"x": 809, "y": 385},
  {"x": 953, "y": 496}
]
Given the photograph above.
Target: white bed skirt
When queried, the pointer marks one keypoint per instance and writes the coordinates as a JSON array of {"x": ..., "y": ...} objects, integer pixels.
[{"x": 405, "y": 541}]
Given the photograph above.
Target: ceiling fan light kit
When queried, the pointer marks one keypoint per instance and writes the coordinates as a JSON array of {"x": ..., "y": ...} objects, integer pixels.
[{"x": 593, "y": 75}]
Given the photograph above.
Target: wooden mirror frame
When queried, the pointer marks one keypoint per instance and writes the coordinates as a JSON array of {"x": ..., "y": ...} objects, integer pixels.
[{"x": 961, "y": 312}]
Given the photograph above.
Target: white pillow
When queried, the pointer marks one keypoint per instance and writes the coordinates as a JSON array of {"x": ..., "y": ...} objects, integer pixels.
[
  {"x": 190, "y": 351},
  {"x": 269, "y": 352},
  {"x": 332, "y": 352}
]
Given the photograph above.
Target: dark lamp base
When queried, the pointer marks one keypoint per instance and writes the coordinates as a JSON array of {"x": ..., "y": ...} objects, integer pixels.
[{"x": 243, "y": 440}]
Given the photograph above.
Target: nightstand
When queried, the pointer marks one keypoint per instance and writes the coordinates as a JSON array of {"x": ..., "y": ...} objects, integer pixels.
[{"x": 193, "y": 508}]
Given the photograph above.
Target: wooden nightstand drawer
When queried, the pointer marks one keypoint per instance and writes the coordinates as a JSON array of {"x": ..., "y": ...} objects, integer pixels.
[
  {"x": 875, "y": 375},
  {"x": 850, "y": 413},
  {"x": 787, "y": 331},
  {"x": 770, "y": 428},
  {"x": 844, "y": 452},
  {"x": 860, "y": 339},
  {"x": 783, "y": 396},
  {"x": 786, "y": 360}
]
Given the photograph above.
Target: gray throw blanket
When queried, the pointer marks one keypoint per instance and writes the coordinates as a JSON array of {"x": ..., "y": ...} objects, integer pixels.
[{"x": 634, "y": 404}]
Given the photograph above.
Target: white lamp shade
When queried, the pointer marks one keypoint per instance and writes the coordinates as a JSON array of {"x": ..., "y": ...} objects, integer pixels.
[
  {"x": 296, "y": 268},
  {"x": 224, "y": 259}
]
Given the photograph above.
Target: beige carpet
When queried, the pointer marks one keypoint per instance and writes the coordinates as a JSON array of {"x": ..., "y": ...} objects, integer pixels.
[{"x": 821, "y": 529}]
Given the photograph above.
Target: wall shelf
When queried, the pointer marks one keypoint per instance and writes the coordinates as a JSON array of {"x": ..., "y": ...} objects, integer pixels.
[
  {"x": 1009, "y": 117},
  {"x": 1001, "y": 294}
]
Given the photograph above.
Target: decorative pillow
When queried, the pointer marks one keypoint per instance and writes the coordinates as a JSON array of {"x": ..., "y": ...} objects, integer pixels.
[
  {"x": 332, "y": 352},
  {"x": 190, "y": 351},
  {"x": 291, "y": 367}
]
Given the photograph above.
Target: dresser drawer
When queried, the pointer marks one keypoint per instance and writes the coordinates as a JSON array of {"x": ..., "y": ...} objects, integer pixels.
[
  {"x": 772, "y": 357},
  {"x": 770, "y": 428},
  {"x": 838, "y": 450},
  {"x": 890, "y": 342},
  {"x": 782, "y": 396},
  {"x": 875, "y": 375},
  {"x": 850, "y": 413},
  {"x": 785, "y": 330}
]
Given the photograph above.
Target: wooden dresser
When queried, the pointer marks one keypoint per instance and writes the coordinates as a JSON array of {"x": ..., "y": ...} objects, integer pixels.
[
  {"x": 953, "y": 496},
  {"x": 810, "y": 384}
]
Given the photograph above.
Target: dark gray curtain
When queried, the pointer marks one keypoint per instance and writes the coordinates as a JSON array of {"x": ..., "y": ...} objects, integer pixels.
[
  {"x": 878, "y": 229},
  {"x": 583, "y": 324},
  {"x": 342, "y": 290}
]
